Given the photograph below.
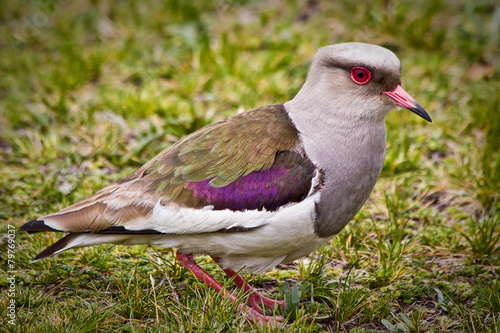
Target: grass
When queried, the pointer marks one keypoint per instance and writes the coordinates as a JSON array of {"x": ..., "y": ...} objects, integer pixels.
[{"x": 90, "y": 91}]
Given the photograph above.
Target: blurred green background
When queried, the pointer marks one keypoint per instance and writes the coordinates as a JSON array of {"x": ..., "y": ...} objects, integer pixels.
[{"x": 91, "y": 90}]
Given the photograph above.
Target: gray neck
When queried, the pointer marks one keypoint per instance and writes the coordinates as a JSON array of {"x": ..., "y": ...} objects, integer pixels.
[{"x": 348, "y": 149}]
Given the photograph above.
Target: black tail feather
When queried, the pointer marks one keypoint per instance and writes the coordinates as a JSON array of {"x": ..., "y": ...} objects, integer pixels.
[
  {"x": 55, "y": 248},
  {"x": 35, "y": 226},
  {"x": 120, "y": 230}
]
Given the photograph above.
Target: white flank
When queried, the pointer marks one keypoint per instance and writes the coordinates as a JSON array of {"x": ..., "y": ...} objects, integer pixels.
[
  {"x": 172, "y": 219},
  {"x": 284, "y": 235}
]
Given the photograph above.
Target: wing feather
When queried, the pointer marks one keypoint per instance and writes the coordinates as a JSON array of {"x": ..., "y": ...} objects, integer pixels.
[{"x": 251, "y": 161}]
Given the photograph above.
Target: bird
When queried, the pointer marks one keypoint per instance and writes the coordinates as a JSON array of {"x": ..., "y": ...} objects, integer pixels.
[{"x": 263, "y": 187}]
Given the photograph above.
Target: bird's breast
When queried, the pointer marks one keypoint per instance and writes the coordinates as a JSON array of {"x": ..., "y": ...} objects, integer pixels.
[{"x": 351, "y": 164}]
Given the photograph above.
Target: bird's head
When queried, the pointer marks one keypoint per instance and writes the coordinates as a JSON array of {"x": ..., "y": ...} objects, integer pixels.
[{"x": 360, "y": 80}]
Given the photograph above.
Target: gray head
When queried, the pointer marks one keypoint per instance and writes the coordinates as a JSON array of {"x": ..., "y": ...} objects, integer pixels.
[{"x": 356, "y": 81}]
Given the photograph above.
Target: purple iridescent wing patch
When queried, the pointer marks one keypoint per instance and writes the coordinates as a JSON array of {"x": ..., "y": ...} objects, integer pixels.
[{"x": 287, "y": 180}]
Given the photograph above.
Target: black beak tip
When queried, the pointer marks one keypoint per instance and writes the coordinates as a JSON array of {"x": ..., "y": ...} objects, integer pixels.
[{"x": 419, "y": 111}]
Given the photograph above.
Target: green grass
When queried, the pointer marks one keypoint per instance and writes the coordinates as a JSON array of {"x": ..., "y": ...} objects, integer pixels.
[{"x": 89, "y": 91}]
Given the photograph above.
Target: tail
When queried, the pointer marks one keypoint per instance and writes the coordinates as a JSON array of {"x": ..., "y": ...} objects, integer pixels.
[
  {"x": 63, "y": 244},
  {"x": 93, "y": 221},
  {"x": 111, "y": 235},
  {"x": 75, "y": 220}
]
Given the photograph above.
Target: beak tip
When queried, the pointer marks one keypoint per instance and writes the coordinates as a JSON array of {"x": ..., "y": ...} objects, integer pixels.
[{"x": 419, "y": 111}]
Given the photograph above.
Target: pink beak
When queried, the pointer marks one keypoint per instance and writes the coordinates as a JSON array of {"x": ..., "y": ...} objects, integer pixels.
[{"x": 404, "y": 99}]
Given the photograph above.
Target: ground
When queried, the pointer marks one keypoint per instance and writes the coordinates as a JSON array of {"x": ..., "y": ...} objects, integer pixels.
[{"x": 91, "y": 90}]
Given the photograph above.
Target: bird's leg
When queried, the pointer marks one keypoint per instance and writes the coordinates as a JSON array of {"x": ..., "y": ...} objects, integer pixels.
[
  {"x": 255, "y": 300},
  {"x": 188, "y": 262}
]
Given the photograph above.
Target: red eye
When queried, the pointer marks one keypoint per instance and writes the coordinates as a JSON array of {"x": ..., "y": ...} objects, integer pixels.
[{"x": 360, "y": 75}]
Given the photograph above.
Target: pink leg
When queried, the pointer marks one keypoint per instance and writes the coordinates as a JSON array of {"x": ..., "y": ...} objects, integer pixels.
[
  {"x": 255, "y": 300},
  {"x": 188, "y": 262}
]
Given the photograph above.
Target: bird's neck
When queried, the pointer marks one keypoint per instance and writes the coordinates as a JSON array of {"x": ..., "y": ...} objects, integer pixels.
[{"x": 323, "y": 125}]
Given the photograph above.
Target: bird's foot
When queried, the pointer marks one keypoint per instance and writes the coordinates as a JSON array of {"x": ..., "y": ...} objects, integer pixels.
[
  {"x": 251, "y": 314},
  {"x": 256, "y": 301}
]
